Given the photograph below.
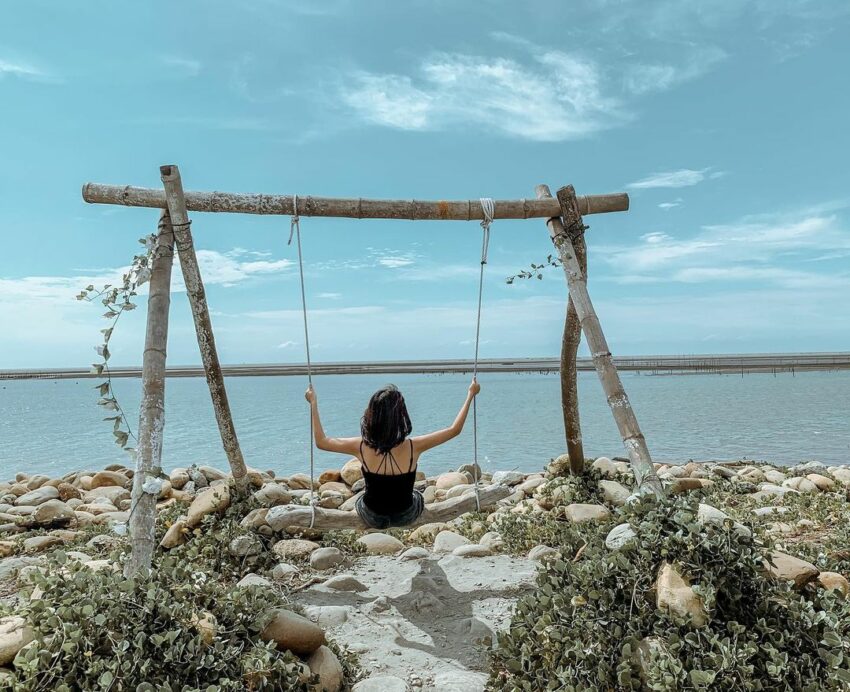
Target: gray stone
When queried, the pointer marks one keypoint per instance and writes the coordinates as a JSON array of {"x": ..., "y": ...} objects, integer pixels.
[
  {"x": 15, "y": 634},
  {"x": 809, "y": 467},
  {"x": 326, "y": 558},
  {"x": 619, "y": 536},
  {"x": 294, "y": 548},
  {"x": 284, "y": 571},
  {"x": 472, "y": 550},
  {"x": 614, "y": 493},
  {"x": 53, "y": 512},
  {"x": 800, "y": 484},
  {"x": 492, "y": 540},
  {"x": 771, "y": 489},
  {"x": 605, "y": 466},
  {"x": 245, "y": 545},
  {"x": 39, "y": 543},
  {"x": 447, "y": 541},
  {"x": 380, "y": 544},
  {"x": 113, "y": 493},
  {"x": 38, "y": 496},
  {"x": 542, "y": 553},
  {"x": 790, "y": 568},
  {"x": 272, "y": 495},
  {"x": 774, "y": 476},
  {"x": 326, "y": 665},
  {"x": 583, "y": 513},
  {"x": 414, "y": 553},
  {"x": 345, "y": 582},
  {"x": 473, "y": 470},
  {"x": 327, "y": 616},
  {"x": 508, "y": 477},
  {"x": 253, "y": 580},
  {"x": 708, "y": 515},
  {"x": 10, "y": 566}
]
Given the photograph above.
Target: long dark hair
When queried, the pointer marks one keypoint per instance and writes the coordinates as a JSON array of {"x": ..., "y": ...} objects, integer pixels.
[{"x": 385, "y": 423}]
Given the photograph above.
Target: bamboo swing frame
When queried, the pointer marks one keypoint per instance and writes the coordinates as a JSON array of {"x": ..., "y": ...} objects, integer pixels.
[{"x": 564, "y": 221}]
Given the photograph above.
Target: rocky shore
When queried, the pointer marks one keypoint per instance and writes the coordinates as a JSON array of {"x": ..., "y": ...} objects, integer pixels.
[{"x": 419, "y": 608}]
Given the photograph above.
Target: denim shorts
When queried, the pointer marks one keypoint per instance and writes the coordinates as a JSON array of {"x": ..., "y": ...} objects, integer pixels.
[{"x": 382, "y": 521}]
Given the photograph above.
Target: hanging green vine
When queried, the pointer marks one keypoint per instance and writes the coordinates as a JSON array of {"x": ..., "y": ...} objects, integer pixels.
[
  {"x": 535, "y": 271},
  {"x": 117, "y": 300}
]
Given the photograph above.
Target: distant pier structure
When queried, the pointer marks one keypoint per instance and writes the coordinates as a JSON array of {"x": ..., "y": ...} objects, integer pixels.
[{"x": 740, "y": 363}]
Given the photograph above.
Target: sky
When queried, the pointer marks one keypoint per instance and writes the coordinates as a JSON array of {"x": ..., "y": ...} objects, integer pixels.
[{"x": 724, "y": 120}]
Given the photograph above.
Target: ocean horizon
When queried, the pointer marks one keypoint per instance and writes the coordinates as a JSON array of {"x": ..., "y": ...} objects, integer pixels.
[{"x": 55, "y": 426}]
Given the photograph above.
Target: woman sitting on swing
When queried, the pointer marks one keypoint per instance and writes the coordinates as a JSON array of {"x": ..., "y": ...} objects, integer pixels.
[{"x": 388, "y": 456}]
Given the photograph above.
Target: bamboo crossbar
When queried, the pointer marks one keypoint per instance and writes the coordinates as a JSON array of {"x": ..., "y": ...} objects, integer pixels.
[{"x": 413, "y": 210}]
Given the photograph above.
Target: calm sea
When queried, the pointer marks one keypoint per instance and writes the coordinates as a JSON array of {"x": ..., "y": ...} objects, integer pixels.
[{"x": 55, "y": 426}]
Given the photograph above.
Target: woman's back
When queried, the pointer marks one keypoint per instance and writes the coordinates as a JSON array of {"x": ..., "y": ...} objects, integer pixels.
[{"x": 389, "y": 478}]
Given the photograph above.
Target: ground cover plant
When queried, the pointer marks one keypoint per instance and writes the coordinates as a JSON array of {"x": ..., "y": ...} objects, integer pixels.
[{"x": 593, "y": 621}]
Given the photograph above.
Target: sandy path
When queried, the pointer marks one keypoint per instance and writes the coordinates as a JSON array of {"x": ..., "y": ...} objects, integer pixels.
[{"x": 427, "y": 622}]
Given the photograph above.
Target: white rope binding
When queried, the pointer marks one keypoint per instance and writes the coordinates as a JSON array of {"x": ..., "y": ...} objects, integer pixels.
[
  {"x": 295, "y": 230},
  {"x": 488, "y": 207}
]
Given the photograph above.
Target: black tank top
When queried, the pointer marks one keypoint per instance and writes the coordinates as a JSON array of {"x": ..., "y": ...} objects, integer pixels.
[{"x": 388, "y": 493}]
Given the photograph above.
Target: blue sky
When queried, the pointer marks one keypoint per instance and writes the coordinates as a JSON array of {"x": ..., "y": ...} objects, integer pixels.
[{"x": 725, "y": 120}]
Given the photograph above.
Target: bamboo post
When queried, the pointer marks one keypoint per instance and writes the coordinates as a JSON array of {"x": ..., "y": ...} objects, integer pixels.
[
  {"x": 633, "y": 439},
  {"x": 146, "y": 483},
  {"x": 569, "y": 377},
  {"x": 203, "y": 326}
]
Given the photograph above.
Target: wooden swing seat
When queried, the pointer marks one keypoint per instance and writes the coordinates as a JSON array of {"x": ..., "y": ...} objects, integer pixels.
[{"x": 299, "y": 516}]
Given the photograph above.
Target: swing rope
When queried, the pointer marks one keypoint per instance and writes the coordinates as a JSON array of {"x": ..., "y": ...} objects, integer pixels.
[
  {"x": 489, "y": 209},
  {"x": 295, "y": 230}
]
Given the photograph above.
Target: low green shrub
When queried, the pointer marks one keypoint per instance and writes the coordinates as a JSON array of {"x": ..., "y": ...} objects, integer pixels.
[
  {"x": 567, "y": 490},
  {"x": 582, "y": 628},
  {"x": 97, "y": 630},
  {"x": 207, "y": 546}
]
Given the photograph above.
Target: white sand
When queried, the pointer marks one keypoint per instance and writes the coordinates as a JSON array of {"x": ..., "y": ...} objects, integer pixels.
[{"x": 428, "y": 622}]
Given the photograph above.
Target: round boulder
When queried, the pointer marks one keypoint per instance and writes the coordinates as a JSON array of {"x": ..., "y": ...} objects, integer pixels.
[
  {"x": 380, "y": 544},
  {"x": 293, "y": 632}
]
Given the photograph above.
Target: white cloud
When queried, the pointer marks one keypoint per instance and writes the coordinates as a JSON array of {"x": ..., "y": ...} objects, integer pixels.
[
  {"x": 287, "y": 344},
  {"x": 557, "y": 96},
  {"x": 183, "y": 67},
  {"x": 20, "y": 69},
  {"x": 230, "y": 268},
  {"x": 33, "y": 309},
  {"x": 684, "y": 177},
  {"x": 671, "y": 205},
  {"x": 749, "y": 250},
  {"x": 642, "y": 79},
  {"x": 395, "y": 261},
  {"x": 330, "y": 296}
]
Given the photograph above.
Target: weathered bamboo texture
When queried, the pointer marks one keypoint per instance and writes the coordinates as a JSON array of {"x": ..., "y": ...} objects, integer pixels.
[
  {"x": 152, "y": 409},
  {"x": 569, "y": 375},
  {"x": 413, "y": 210},
  {"x": 203, "y": 326},
  {"x": 284, "y": 516},
  {"x": 633, "y": 440}
]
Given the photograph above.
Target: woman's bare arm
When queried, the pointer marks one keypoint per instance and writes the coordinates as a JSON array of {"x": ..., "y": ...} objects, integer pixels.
[
  {"x": 423, "y": 443},
  {"x": 341, "y": 445}
]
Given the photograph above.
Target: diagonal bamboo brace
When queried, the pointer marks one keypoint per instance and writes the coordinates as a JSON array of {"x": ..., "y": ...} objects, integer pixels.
[
  {"x": 203, "y": 325},
  {"x": 562, "y": 234}
]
